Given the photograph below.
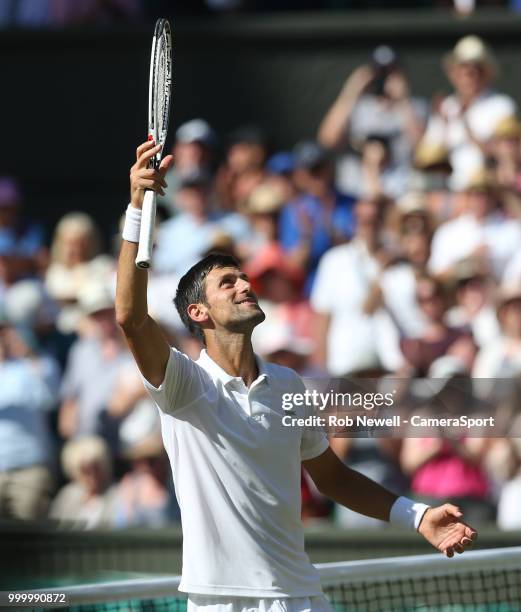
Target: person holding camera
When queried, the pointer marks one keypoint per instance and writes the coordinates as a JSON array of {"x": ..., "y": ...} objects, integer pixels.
[{"x": 375, "y": 101}]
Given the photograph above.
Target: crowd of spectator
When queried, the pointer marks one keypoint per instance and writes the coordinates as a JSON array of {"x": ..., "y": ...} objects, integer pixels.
[{"x": 388, "y": 246}]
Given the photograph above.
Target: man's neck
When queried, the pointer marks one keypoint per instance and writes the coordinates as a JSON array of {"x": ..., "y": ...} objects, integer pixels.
[{"x": 234, "y": 354}]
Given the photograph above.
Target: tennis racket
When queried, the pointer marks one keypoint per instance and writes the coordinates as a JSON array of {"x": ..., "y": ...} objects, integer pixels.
[{"x": 159, "y": 94}]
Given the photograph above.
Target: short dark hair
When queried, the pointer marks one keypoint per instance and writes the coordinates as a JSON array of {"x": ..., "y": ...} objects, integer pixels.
[{"x": 191, "y": 290}]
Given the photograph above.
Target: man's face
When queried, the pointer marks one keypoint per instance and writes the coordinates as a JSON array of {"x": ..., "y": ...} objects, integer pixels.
[
  {"x": 230, "y": 301},
  {"x": 193, "y": 199},
  {"x": 468, "y": 79},
  {"x": 190, "y": 155}
]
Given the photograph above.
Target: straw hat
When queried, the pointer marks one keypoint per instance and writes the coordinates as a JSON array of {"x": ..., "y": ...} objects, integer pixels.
[
  {"x": 509, "y": 127},
  {"x": 471, "y": 50},
  {"x": 264, "y": 200},
  {"x": 431, "y": 156},
  {"x": 507, "y": 294},
  {"x": 411, "y": 203},
  {"x": 481, "y": 180}
]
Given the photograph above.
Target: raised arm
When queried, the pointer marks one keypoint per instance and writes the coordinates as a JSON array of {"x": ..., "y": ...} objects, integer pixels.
[
  {"x": 332, "y": 130},
  {"x": 144, "y": 336}
]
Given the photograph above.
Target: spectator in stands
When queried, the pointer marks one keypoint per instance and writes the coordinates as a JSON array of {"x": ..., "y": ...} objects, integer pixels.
[
  {"x": 88, "y": 501},
  {"x": 438, "y": 338},
  {"x": 182, "y": 240},
  {"x": 345, "y": 276},
  {"x": 142, "y": 497},
  {"x": 473, "y": 308},
  {"x": 93, "y": 369},
  {"x": 22, "y": 250},
  {"x": 465, "y": 120},
  {"x": 448, "y": 466},
  {"x": 76, "y": 261},
  {"x": 243, "y": 167},
  {"x": 375, "y": 99},
  {"x": 320, "y": 217},
  {"x": 508, "y": 515},
  {"x": 431, "y": 176},
  {"x": 398, "y": 280},
  {"x": 279, "y": 174},
  {"x": 377, "y": 175},
  {"x": 262, "y": 209},
  {"x": 278, "y": 284},
  {"x": 481, "y": 230},
  {"x": 28, "y": 305},
  {"x": 501, "y": 358},
  {"x": 195, "y": 143},
  {"x": 29, "y": 382}
]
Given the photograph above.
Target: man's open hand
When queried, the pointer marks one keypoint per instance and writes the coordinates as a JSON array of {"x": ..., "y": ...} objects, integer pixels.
[{"x": 444, "y": 529}]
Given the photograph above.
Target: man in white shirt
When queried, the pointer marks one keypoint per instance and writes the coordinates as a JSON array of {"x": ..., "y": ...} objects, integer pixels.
[
  {"x": 236, "y": 468},
  {"x": 482, "y": 230},
  {"x": 350, "y": 337},
  {"x": 466, "y": 119}
]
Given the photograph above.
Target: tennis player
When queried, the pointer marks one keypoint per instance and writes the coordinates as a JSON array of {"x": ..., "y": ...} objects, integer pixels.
[{"x": 236, "y": 468}]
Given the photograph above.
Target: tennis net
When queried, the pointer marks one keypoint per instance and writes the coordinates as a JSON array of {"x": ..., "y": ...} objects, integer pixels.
[{"x": 481, "y": 581}]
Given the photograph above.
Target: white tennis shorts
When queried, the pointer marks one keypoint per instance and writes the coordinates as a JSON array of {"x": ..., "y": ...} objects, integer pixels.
[{"x": 220, "y": 603}]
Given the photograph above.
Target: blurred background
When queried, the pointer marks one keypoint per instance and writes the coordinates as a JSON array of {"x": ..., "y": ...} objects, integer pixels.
[{"x": 363, "y": 161}]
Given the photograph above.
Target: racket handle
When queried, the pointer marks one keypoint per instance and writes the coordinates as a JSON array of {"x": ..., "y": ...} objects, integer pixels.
[{"x": 146, "y": 232}]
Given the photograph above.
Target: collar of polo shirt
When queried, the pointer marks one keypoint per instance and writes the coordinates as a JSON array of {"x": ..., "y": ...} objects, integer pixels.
[{"x": 217, "y": 372}]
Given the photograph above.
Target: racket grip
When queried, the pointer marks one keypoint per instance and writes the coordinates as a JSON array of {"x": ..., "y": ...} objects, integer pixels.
[{"x": 146, "y": 232}]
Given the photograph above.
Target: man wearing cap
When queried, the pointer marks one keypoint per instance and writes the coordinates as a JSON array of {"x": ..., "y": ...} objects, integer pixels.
[
  {"x": 466, "y": 119},
  {"x": 183, "y": 239},
  {"x": 194, "y": 147},
  {"x": 100, "y": 357}
]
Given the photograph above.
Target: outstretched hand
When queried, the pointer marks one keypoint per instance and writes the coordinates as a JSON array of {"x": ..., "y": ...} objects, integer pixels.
[{"x": 443, "y": 528}]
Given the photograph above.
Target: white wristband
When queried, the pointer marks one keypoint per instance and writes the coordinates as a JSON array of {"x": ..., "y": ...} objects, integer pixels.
[
  {"x": 132, "y": 224},
  {"x": 407, "y": 513}
]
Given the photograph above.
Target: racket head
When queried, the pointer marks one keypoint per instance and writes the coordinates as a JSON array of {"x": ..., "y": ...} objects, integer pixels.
[{"x": 160, "y": 85}]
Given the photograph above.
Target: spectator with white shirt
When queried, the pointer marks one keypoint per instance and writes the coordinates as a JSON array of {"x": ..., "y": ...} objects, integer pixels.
[
  {"x": 398, "y": 280},
  {"x": 465, "y": 120},
  {"x": 481, "y": 230},
  {"x": 375, "y": 99},
  {"x": 473, "y": 308},
  {"x": 502, "y": 358},
  {"x": 349, "y": 336}
]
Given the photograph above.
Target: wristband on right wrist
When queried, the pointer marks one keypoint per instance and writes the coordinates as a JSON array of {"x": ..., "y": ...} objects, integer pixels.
[
  {"x": 407, "y": 513},
  {"x": 132, "y": 225}
]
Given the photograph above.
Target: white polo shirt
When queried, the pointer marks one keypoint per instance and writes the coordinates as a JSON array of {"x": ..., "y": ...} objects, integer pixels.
[{"x": 236, "y": 471}]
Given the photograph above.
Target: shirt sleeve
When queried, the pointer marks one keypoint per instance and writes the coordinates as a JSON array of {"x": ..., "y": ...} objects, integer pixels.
[
  {"x": 314, "y": 440},
  {"x": 183, "y": 383}
]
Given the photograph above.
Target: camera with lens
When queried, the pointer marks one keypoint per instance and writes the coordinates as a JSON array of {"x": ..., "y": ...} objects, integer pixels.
[{"x": 383, "y": 60}]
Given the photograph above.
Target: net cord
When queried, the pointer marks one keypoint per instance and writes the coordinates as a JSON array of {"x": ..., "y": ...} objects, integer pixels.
[{"x": 331, "y": 574}]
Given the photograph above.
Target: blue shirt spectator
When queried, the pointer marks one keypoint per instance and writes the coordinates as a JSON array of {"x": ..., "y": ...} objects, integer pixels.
[
  {"x": 26, "y": 394},
  {"x": 183, "y": 239},
  {"x": 305, "y": 219}
]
